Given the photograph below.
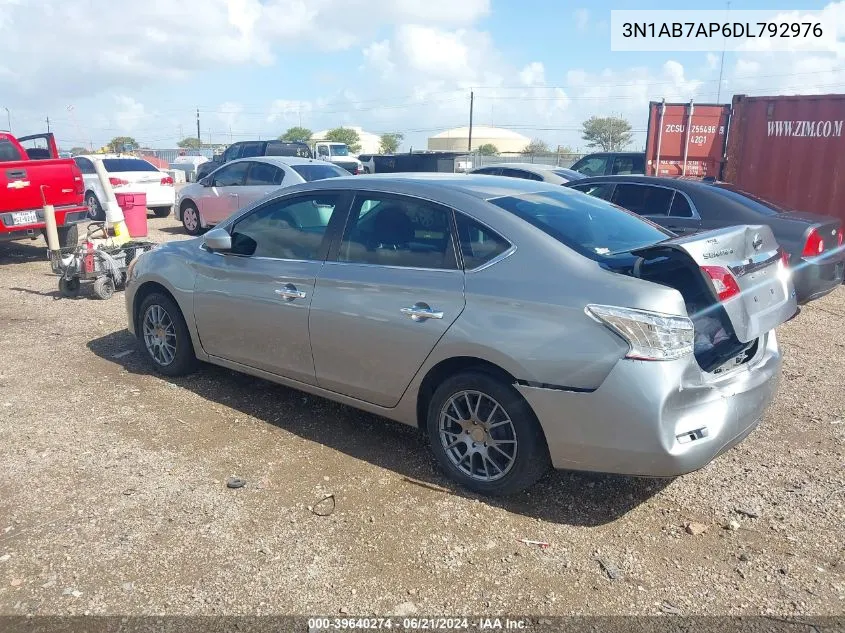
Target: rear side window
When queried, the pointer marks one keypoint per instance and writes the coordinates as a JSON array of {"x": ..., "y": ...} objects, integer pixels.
[
  {"x": 116, "y": 165},
  {"x": 587, "y": 225},
  {"x": 479, "y": 244},
  {"x": 591, "y": 165},
  {"x": 319, "y": 172},
  {"x": 601, "y": 190},
  {"x": 398, "y": 231},
  {"x": 251, "y": 150},
  {"x": 8, "y": 152},
  {"x": 262, "y": 174},
  {"x": 680, "y": 206},
  {"x": 643, "y": 199},
  {"x": 279, "y": 148},
  {"x": 623, "y": 165},
  {"x": 520, "y": 173}
]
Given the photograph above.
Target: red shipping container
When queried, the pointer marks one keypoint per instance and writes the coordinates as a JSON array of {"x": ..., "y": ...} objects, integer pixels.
[
  {"x": 790, "y": 150},
  {"x": 686, "y": 139}
]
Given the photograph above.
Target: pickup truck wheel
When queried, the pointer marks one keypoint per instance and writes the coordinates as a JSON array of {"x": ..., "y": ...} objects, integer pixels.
[
  {"x": 191, "y": 219},
  {"x": 163, "y": 336},
  {"x": 69, "y": 287},
  {"x": 104, "y": 287},
  {"x": 95, "y": 209},
  {"x": 162, "y": 212},
  {"x": 68, "y": 235}
]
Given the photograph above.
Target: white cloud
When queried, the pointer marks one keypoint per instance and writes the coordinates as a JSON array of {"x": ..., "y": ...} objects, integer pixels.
[
  {"x": 129, "y": 114},
  {"x": 533, "y": 74},
  {"x": 582, "y": 19},
  {"x": 378, "y": 56}
]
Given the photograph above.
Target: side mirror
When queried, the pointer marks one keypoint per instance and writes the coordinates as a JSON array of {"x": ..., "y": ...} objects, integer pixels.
[
  {"x": 205, "y": 182},
  {"x": 218, "y": 240}
]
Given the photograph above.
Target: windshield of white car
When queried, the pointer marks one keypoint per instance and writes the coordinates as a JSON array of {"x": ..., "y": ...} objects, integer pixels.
[
  {"x": 114, "y": 165},
  {"x": 340, "y": 150},
  {"x": 318, "y": 172},
  {"x": 589, "y": 226}
]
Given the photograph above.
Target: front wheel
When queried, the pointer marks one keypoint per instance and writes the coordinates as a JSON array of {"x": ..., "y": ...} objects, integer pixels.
[
  {"x": 485, "y": 436},
  {"x": 164, "y": 336},
  {"x": 191, "y": 220}
]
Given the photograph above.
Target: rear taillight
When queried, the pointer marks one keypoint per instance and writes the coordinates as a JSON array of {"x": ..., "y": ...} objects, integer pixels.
[
  {"x": 724, "y": 283},
  {"x": 78, "y": 183},
  {"x": 118, "y": 182},
  {"x": 814, "y": 245},
  {"x": 650, "y": 335},
  {"x": 358, "y": 170},
  {"x": 167, "y": 181},
  {"x": 840, "y": 236}
]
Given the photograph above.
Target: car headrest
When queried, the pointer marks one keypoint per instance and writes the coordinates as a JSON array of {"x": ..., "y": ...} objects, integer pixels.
[{"x": 393, "y": 226}]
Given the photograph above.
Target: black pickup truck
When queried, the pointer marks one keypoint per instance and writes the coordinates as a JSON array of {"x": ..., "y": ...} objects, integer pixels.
[{"x": 249, "y": 149}]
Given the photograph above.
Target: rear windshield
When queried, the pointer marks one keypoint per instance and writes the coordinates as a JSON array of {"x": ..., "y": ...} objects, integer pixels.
[
  {"x": 318, "y": 172},
  {"x": 750, "y": 200},
  {"x": 590, "y": 226},
  {"x": 114, "y": 165},
  {"x": 8, "y": 152},
  {"x": 288, "y": 149}
]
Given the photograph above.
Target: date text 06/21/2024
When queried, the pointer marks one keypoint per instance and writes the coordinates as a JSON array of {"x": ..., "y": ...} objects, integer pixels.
[{"x": 417, "y": 624}]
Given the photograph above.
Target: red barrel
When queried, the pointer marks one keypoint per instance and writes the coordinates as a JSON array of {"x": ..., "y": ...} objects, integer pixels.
[{"x": 134, "y": 207}]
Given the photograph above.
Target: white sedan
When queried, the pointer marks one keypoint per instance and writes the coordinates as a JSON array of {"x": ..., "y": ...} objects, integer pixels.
[
  {"x": 241, "y": 182},
  {"x": 127, "y": 174}
]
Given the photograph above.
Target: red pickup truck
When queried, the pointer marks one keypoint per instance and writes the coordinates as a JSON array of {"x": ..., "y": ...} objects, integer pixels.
[{"x": 31, "y": 176}]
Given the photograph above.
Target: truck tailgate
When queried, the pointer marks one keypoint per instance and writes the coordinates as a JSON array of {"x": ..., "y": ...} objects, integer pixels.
[{"x": 22, "y": 182}]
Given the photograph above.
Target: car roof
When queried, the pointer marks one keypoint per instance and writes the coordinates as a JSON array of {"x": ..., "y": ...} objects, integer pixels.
[
  {"x": 111, "y": 157},
  {"x": 476, "y": 185},
  {"x": 526, "y": 166},
  {"x": 283, "y": 160},
  {"x": 681, "y": 184}
]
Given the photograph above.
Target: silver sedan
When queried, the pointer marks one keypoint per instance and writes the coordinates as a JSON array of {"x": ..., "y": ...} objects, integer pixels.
[
  {"x": 239, "y": 183},
  {"x": 518, "y": 324},
  {"x": 530, "y": 171}
]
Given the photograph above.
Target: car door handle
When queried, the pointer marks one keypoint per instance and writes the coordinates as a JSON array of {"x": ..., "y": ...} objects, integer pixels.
[
  {"x": 289, "y": 292},
  {"x": 421, "y": 312},
  {"x": 233, "y": 195}
]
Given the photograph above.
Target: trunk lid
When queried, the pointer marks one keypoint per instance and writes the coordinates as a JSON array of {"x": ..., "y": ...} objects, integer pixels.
[
  {"x": 22, "y": 183},
  {"x": 751, "y": 257}
]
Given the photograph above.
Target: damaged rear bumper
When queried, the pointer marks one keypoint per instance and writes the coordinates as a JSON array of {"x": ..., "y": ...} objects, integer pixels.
[{"x": 657, "y": 418}]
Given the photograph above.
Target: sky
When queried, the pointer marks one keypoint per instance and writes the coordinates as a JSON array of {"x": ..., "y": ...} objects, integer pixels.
[{"x": 253, "y": 68}]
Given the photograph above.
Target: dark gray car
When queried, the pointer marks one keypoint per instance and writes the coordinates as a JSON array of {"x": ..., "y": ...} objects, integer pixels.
[
  {"x": 813, "y": 242},
  {"x": 518, "y": 324}
]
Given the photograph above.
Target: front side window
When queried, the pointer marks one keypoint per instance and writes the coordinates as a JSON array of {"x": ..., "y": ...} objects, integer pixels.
[
  {"x": 643, "y": 199},
  {"x": 286, "y": 228},
  {"x": 231, "y": 175},
  {"x": 591, "y": 165},
  {"x": 233, "y": 152},
  {"x": 589, "y": 226},
  {"x": 601, "y": 190},
  {"x": 322, "y": 150},
  {"x": 623, "y": 165},
  {"x": 264, "y": 174},
  {"x": 398, "y": 231},
  {"x": 479, "y": 244}
]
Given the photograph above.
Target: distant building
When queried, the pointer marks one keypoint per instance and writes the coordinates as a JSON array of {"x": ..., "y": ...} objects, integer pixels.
[
  {"x": 370, "y": 143},
  {"x": 455, "y": 140}
]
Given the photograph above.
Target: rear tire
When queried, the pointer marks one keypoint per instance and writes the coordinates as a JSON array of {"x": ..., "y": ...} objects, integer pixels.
[
  {"x": 163, "y": 336},
  {"x": 95, "y": 209},
  {"x": 162, "y": 212},
  {"x": 104, "y": 288},
  {"x": 506, "y": 446},
  {"x": 68, "y": 235},
  {"x": 191, "y": 219}
]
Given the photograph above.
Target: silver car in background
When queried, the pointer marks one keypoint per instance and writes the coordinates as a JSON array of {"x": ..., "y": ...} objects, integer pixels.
[
  {"x": 518, "y": 324},
  {"x": 239, "y": 183},
  {"x": 551, "y": 174}
]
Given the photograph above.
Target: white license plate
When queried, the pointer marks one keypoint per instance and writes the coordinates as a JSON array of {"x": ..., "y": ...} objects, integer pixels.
[{"x": 24, "y": 217}]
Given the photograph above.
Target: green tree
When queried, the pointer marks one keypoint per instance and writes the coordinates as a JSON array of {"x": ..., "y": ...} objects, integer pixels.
[
  {"x": 488, "y": 149},
  {"x": 297, "y": 134},
  {"x": 345, "y": 135},
  {"x": 76, "y": 151},
  {"x": 607, "y": 133},
  {"x": 390, "y": 142},
  {"x": 536, "y": 146},
  {"x": 122, "y": 144},
  {"x": 190, "y": 142}
]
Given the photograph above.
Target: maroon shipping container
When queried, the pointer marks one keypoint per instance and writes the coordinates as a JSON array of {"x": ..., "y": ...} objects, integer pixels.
[
  {"x": 686, "y": 139},
  {"x": 790, "y": 150}
]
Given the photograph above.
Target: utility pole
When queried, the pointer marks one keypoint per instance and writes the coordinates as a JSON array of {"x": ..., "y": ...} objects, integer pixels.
[
  {"x": 469, "y": 142},
  {"x": 181, "y": 136},
  {"x": 48, "y": 124},
  {"x": 8, "y": 119},
  {"x": 722, "y": 65},
  {"x": 198, "y": 127}
]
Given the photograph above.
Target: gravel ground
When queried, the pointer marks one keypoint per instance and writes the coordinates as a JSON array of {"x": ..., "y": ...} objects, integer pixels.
[{"x": 114, "y": 496}]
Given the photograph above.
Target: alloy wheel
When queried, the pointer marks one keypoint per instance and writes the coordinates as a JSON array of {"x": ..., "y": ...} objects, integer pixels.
[{"x": 159, "y": 335}]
